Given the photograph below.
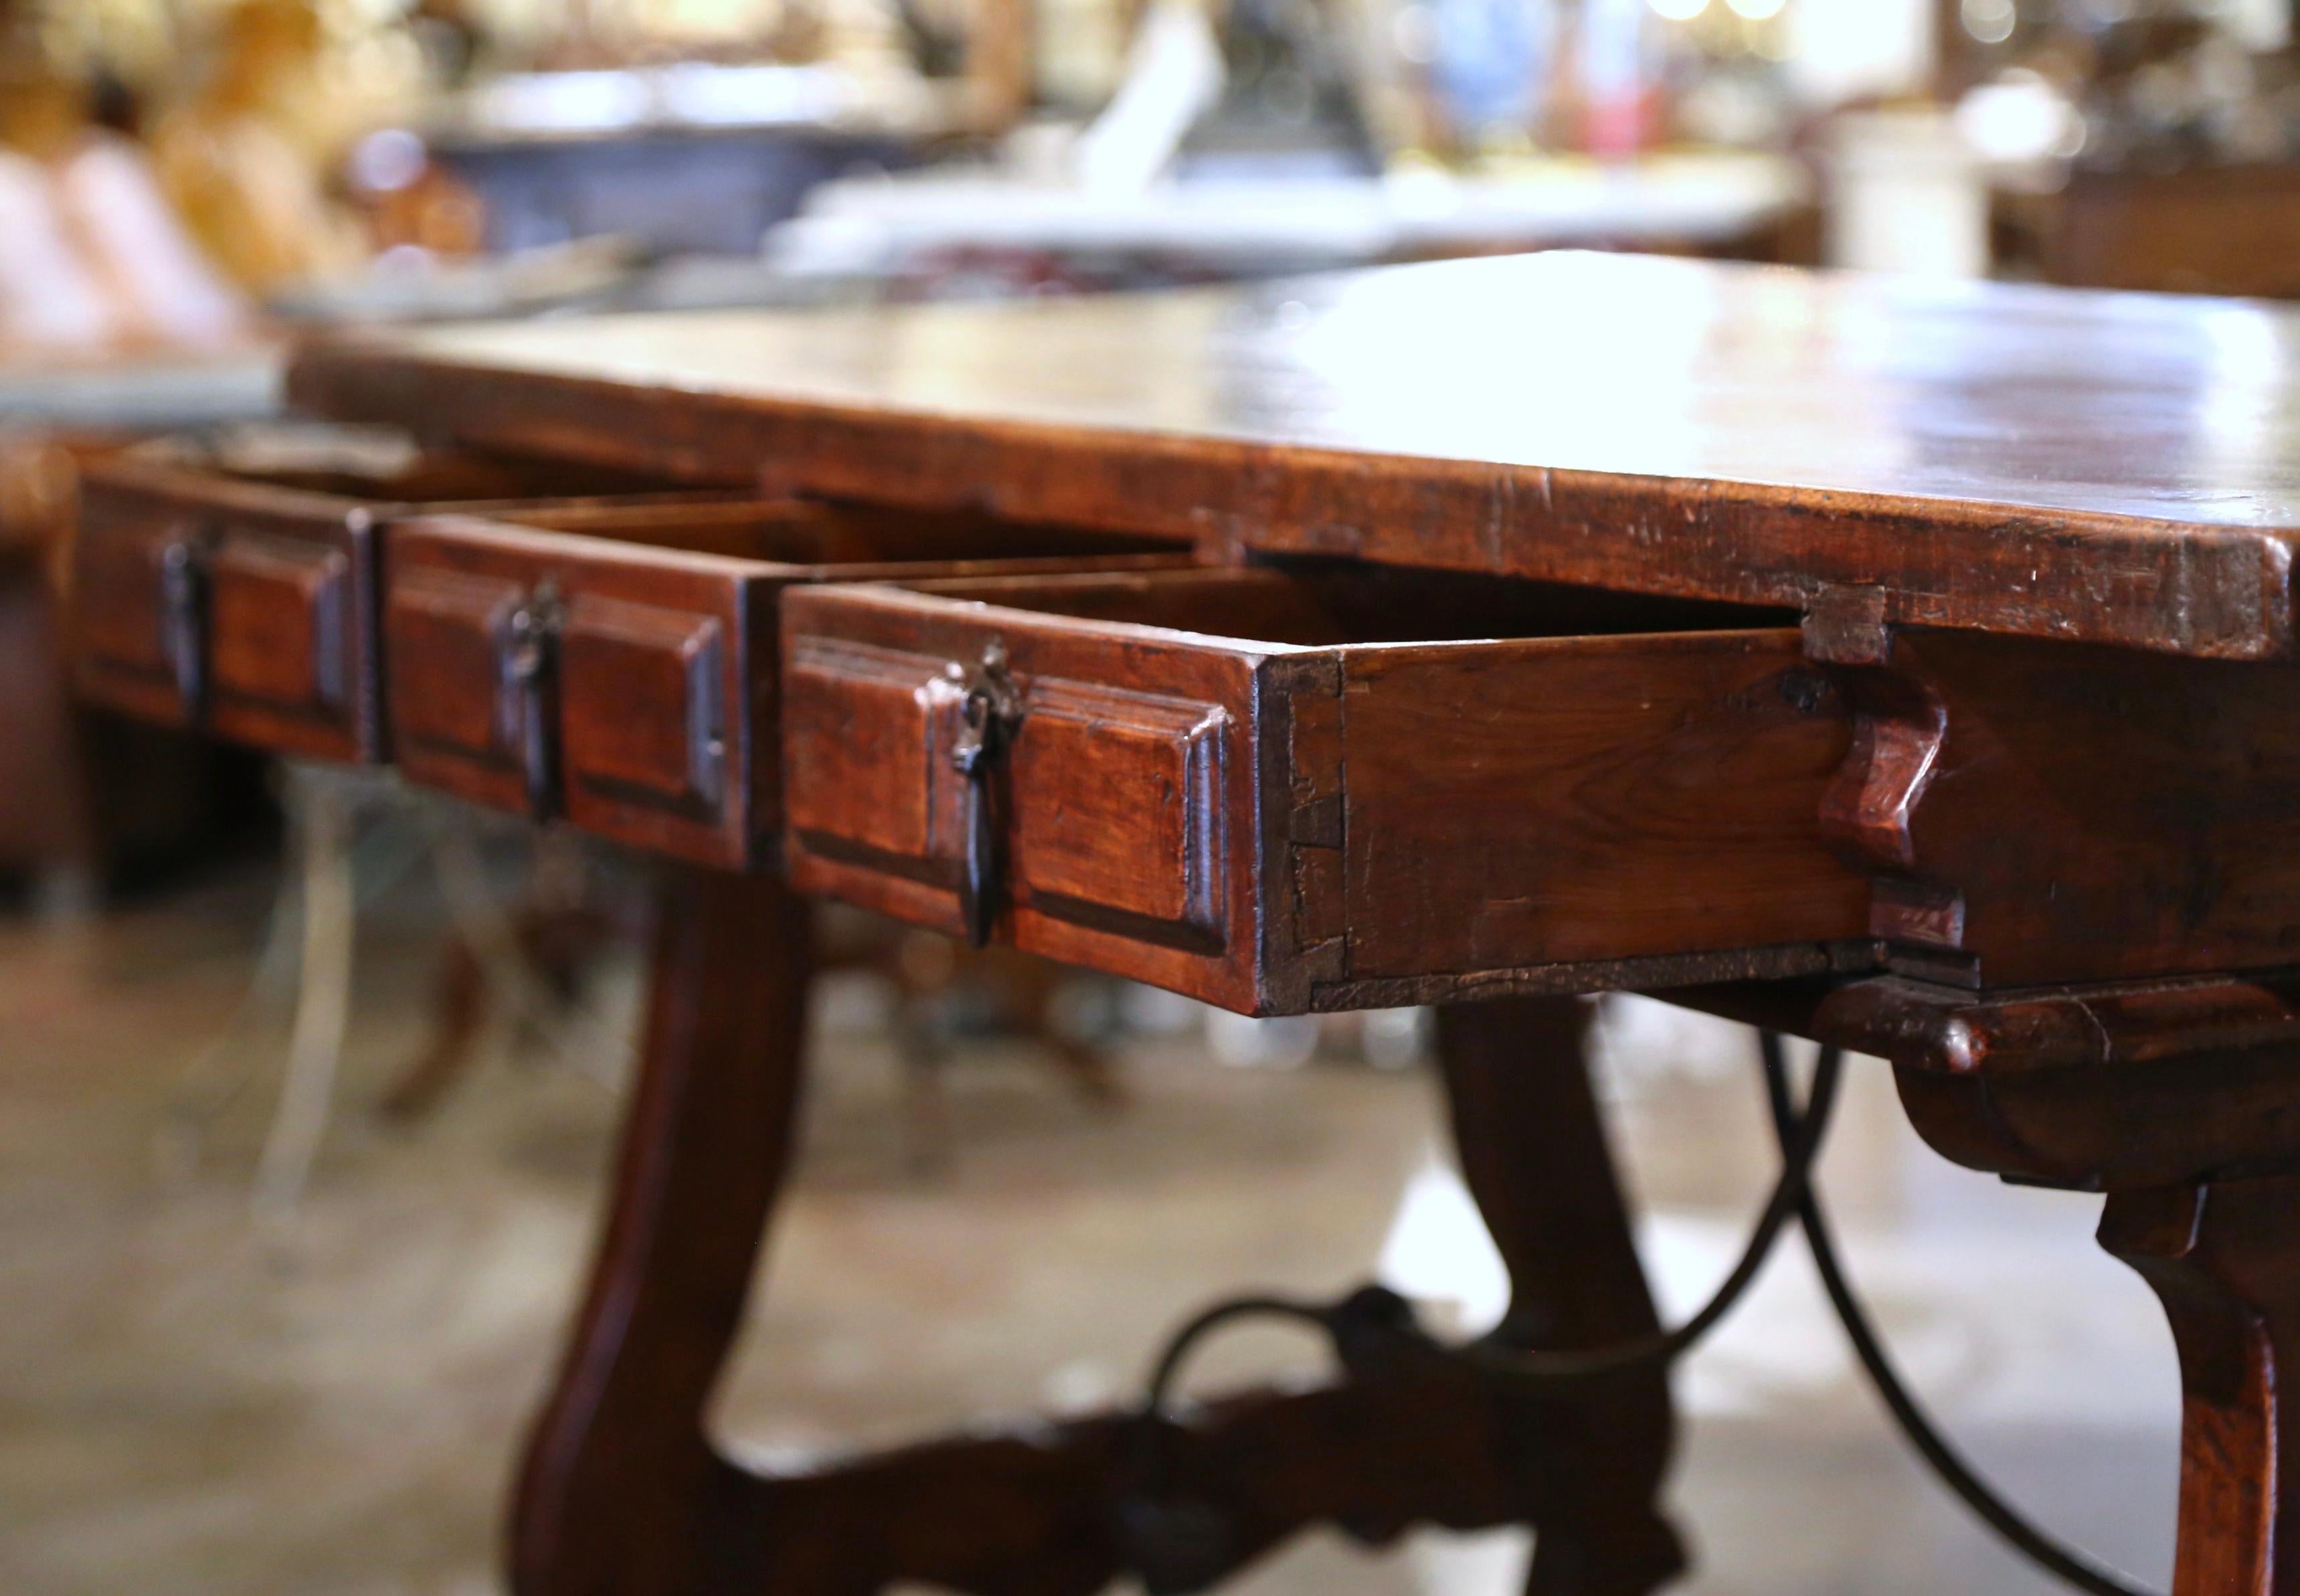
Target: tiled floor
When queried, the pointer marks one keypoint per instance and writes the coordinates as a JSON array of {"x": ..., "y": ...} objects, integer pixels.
[{"x": 192, "y": 1403}]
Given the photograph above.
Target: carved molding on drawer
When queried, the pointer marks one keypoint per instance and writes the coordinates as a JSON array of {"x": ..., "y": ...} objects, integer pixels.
[
  {"x": 447, "y": 633},
  {"x": 867, "y": 732},
  {"x": 646, "y": 706},
  {"x": 1116, "y": 799},
  {"x": 281, "y": 622}
]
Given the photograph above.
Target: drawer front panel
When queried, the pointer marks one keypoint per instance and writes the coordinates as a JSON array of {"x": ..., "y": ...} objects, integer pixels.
[
  {"x": 120, "y": 612},
  {"x": 569, "y": 677},
  {"x": 1116, "y": 800},
  {"x": 646, "y": 685},
  {"x": 194, "y": 607},
  {"x": 457, "y": 715},
  {"x": 867, "y": 736},
  {"x": 248, "y": 603},
  {"x": 1111, "y": 800},
  {"x": 281, "y": 610}
]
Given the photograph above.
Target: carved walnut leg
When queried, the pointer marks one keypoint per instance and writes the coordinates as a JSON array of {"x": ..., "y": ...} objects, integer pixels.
[
  {"x": 2224, "y": 1258},
  {"x": 618, "y": 1490},
  {"x": 1534, "y": 1153},
  {"x": 2149, "y": 1093},
  {"x": 623, "y": 1495}
]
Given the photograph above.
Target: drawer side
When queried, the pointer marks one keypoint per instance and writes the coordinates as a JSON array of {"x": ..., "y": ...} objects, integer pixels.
[{"x": 1585, "y": 801}]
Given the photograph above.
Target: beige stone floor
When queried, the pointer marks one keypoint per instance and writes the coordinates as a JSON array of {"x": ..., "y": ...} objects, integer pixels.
[{"x": 190, "y": 1402}]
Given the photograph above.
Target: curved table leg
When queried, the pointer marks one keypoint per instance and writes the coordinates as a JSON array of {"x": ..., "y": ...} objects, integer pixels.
[
  {"x": 315, "y": 1046},
  {"x": 1534, "y": 1153},
  {"x": 2224, "y": 1259},
  {"x": 622, "y": 1493},
  {"x": 617, "y": 1492}
]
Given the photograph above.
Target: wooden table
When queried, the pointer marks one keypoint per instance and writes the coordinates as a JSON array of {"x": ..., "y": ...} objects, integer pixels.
[{"x": 1907, "y": 665}]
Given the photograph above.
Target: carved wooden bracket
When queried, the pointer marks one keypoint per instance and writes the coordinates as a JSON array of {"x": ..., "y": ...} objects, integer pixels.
[
  {"x": 1899, "y": 726},
  {"x": 2140, "y": 1085}
]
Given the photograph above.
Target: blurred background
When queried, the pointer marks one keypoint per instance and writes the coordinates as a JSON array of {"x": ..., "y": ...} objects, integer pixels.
[{"x": 307, "y": 1084}]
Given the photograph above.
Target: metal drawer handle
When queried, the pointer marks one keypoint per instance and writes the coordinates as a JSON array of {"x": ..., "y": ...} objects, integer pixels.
[
  {"x": 531, "y": 675},
  {"x": 186, "y": 587},
  {"x": 993, "y": 715}
]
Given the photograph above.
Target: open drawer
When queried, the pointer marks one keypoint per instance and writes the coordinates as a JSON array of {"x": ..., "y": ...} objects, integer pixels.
[
  {"x": 230, "y": 583},
  {"x": 1288, "y": 791},
  {"x": 629, "y": 683}
]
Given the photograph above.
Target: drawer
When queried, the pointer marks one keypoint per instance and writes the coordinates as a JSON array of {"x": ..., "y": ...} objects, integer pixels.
[
  {"x": 207, "y": 591},
  {"x": 214, "y": 605},
  {"x": 630, "y": 687},
  {"x": 1286, "y": 791}
]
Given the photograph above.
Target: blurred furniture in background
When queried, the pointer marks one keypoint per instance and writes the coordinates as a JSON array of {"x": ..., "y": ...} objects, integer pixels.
[
  {"x": 2199, "y": 229},
  {"x": 940, "y": 989},
  {"x": 87, "y": 800},
  {"x": 663, "y": 192},
  {"x": 936, "y": 227},
  {"x": 243, "y": 161},
  {"x": 47, "y": 820},
  {"x": 696, "y": 158},
  {"x": 94, "y": 260},
  {"x": 2152, "y": 146}
]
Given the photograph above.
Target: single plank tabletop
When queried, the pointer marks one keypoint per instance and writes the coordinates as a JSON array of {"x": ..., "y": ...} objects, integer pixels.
[{"x": 2104, "y": 468}]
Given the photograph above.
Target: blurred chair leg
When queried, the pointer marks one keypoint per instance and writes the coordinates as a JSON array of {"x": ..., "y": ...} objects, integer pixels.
[
  {"x": 518, "y": 963},
  {"x": 459, "y": 1014},
  {"x": 323, "y": 999}
]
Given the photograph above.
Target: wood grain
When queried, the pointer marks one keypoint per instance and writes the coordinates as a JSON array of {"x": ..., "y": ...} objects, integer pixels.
[
  {"x": 2050, "y": 462},
  {"x": 2096, "y": 814},
  {"x": 1556, "y": 801}
]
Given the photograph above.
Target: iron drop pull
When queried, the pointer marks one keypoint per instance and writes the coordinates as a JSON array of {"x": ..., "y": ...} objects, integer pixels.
[
  {"x": 993, "y": 711},
  {"x": 532, "y": 677},
  {"x": 185, "y": 607}
]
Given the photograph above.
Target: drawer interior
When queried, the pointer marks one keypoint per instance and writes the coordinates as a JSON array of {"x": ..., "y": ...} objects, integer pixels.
[
  {"x": 231, "y": 578},
  {"x": 383, "y": 468},
  {"x": 839, "y": 541},
  {"x": 652, "y": 631},
  {"x": 372, "y": 464},
  {"x": 1327, "y": 606}
]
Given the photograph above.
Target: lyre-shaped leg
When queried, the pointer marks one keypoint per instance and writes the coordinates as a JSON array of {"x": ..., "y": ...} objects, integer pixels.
[
  {"x": 1534, "y": 1153},
  {"x": 2224, "y": 1259},
  {"x": 617, "y": 1492},
  {"x": 622, "y": 1493}
]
